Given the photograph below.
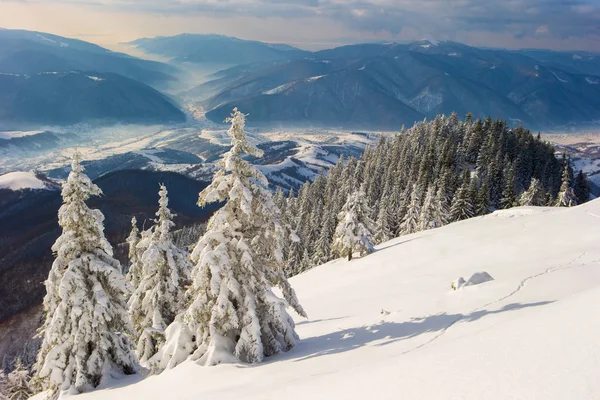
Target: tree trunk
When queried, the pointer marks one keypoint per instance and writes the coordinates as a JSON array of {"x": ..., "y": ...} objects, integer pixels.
[{"x": 349, "y": 254}]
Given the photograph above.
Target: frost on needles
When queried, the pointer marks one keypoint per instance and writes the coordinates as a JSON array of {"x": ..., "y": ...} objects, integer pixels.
[
  {"x": 84, "y": 336},
  {"x": 234, "y": 314}
]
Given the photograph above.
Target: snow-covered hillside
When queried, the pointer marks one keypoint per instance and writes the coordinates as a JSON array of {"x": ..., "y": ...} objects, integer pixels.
[
  {"x": 22, "y": 180},
  {"x": 389, "y": 325}
]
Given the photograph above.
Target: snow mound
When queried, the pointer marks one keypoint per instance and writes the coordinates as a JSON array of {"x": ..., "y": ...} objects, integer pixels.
[
  {"x": 478, "y": 278},
  {"x": 519, "y": 212},
  {"x": 20, "y": 180}
]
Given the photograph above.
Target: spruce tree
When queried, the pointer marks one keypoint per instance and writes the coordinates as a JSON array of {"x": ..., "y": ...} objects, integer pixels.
[
  {"x": 410, "y": 222},
  {"x": 383, "y": 230},
  {"x": 159, "y": 295},
  {"x": 462, "y": 207},
  {"x": 353, "y": 232},
  {"x": 534, "y": 196},
  {"x": 135, "y": 266},
  {"x": 323, "y": 245},
  {"x": 234, "y": 314},
  {"x": 566, "y": 195},
  {"x": 84, "y": 336},
  {"x": 431, "y": 216},
  {"x": 582, "y": 188},
  {"x": 483, "y": 200}
]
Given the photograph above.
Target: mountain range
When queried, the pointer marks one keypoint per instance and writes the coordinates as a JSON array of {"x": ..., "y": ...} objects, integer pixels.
[
  {"x": 47, "y": 79},
  {"x": 387, "y": 85}
]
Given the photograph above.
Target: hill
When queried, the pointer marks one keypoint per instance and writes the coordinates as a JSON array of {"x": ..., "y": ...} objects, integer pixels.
[
  {"x": 63, "y": 98},
  {"x": 387, "y": 85},
  {"x": 390, "y": 322}
]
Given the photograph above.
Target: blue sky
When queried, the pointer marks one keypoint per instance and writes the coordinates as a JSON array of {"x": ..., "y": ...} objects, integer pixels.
[{"x": 556, "y": 24}]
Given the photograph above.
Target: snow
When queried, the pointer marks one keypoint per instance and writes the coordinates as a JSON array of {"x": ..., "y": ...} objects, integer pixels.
[
  {"x": 592, "y": 81},
  {"x": 390, "y": 321},
  {"x": 20, "y": 180},
  {"x": 15, "y": 134},
  {"x": 45, "y": 39},
  {"x": 280, "y": 88},
  {"x": 314, "y": 78},
  {"x": 559, "y": 78}
]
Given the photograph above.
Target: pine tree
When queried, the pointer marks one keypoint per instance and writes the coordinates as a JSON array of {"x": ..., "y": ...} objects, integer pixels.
[
  {"x": 430, "y": 217},
  {"x": 323, "y": 245},
  {"x": 234, "y": 314},
  {"x": 353, "y": 232},
  {"x": 582, "y": 188},
  {"x": 17, "y": 385},
  {"x": 135, "y": 265},
  {"x": 159, "y": 295},
  {"x": 509, "y": 194},
  {"x": 534, "y": 196},
  {"x": 462, "y": 207},
  {"x": 410, "y": 222},
  {"x": 383, "y": 230},
  {"x": 84, "y": 336},
  {"x": 483, "y": 200},
  {"x": 566, "y": 195}
]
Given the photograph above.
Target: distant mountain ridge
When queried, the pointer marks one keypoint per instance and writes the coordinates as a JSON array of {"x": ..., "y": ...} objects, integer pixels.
[
  {"x": 51, "y": 80},
  {"x": 28, "y": 52},
  {"x": 387, "y": 85},
  {"x": 218, "y": 49}
]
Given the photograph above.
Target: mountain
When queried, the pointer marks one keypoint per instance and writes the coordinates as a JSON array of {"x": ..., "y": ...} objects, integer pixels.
[
  {"x": 215, "y": 49},
  {"x": 62, "y": 98},
  {"x": 390, "y": 321},
  {"x": 387, "y": 85},
  {"x": 27, "y": 52}
]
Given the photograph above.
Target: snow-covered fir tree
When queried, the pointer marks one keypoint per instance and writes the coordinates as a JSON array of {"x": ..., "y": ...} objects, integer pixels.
[
  {"x": 135, "y": 265},
  {"x": 534, "y": 196},
  {"x": 234, "y": 314},
  {"x": 322, "y": 252},
  {"x": 85, "y": 333},
  {"x": 383, "y": 230},
  {"x": 462, "y": 206},
  {"x": 353, "y": 232},
  {"x": 566, "y": 195},
  {"x": 17, "y": 383},
  {"x": 411, "y": 221},
  {"x": 164, "y": 276}
]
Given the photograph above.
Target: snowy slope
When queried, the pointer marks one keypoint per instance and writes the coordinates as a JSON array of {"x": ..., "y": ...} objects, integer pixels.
[
  {"x": 21, "y": 180},
  {"x": 388, "y": 326}
]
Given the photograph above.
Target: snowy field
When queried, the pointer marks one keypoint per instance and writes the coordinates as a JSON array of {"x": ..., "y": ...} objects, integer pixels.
[{"x": 389, "y": 326}]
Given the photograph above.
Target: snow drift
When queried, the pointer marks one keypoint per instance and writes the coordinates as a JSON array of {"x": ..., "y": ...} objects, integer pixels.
[{"x": 532, "y": 332}]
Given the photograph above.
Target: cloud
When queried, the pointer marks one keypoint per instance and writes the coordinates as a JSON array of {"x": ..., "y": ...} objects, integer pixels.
[{"x": 548, "y": 20}]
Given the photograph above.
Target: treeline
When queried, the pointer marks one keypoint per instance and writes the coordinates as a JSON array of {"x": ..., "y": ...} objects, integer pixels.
[{"x": 427, "y": 176}]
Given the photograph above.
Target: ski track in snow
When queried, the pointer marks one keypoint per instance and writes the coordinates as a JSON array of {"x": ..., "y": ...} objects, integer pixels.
[{"x": 517, "y": 290}]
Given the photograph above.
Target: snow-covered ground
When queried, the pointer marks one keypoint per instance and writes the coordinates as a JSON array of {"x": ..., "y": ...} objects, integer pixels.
[
  {"x": 21, "y": 180},
  {"x": 389, "y": 326}
]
